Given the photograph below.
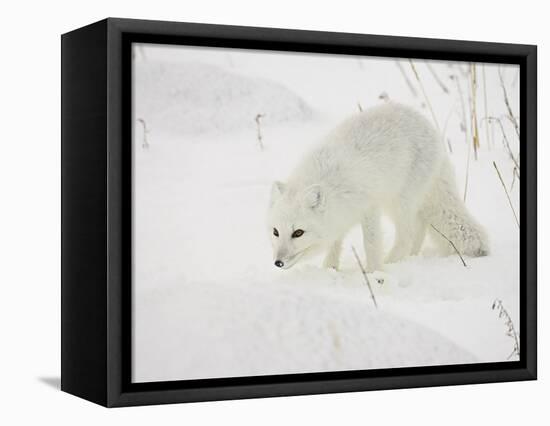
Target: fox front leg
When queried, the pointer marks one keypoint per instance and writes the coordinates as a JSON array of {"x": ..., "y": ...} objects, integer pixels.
[
  {"x": 372, "y": 240},
  {"x": 332, "y": 259}
]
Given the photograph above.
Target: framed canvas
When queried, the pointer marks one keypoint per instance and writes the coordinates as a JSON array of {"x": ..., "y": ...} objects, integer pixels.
[{"x": 254, "y": 212}]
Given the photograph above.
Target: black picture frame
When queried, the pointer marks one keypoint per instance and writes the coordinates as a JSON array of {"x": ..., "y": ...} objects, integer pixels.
[{"x": 96, "y": 212}]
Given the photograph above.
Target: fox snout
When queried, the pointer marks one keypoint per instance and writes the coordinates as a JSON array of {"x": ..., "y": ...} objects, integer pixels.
[
  {"x": 284, "y": 263},
  {"x": 280, "y": 258},
  {"x": 284, "y": 259}
]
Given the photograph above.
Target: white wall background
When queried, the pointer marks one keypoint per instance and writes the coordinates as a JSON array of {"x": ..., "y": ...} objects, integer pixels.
[{"x": 30, "y": 200}]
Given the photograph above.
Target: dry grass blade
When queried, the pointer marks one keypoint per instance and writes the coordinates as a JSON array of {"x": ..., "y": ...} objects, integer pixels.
[
  {"x": 462, "y": 107},
  {"x": 424, "y": 94},
  {"x": 445, "y": 125},
  {"x": 511, "y": 115},
  {"x": 449, "y": 145},
  {"x": 451, "y": 243},
  {"x": 145, "y": 144},
  {"x": 510, "y": 329},
  {"x": 475, "y": 130},
  {"x": 506, "y": 191},
  {"x": 514, "y": 175},
  {"x": 487, "y": 140},
  {"x": 364, "y": 272},
  {"x": 437, "y": 79},
  {"x": 506, "y": 143},
  {"x": 259, "y": 130},
  {"x": 407, "y": 79}
]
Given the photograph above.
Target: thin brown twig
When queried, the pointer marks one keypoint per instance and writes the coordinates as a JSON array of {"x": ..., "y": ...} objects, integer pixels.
[
  {"x": 511, "y": 330},
  {"x": 506, "y": 191},
  {"x": 449, "y": 145},
  {"x": 145, "y": 144},
  {"x": 424, "y": 94},
  {"x": 506, "y": 142},
  {"x": 437, "y": 79},
  {"x": 511, "y": 115},
  {"x": 462, "y": 107},
  {"x": 407, "y": 79},
  {"x": 475, "y": 130},
  {"x": 259, "y": 130},
  {"x": 444, "y": 131},
  {"x": 451, "y": 243},
  {"x": 470, "y": 112},
  {"x": 365, "y": 276},
  {"x": 510, "y": 119},
  {"x": 492, "y": 134},
  {"x": 514, "y": 175},
  {"x": 485, "y": 106}
]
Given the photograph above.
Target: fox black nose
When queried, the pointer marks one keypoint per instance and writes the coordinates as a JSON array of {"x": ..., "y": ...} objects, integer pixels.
[{"x": 279, "y": 264}]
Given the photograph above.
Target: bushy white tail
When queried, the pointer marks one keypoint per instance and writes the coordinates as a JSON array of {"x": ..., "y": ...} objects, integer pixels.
[{"x": 444, "y": 210}]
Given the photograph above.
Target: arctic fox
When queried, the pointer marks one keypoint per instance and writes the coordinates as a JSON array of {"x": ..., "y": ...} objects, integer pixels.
[{"x": 386, "y": 160}]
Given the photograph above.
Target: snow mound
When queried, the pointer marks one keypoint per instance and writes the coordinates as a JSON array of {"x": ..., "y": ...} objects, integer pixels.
[
  {"x": 215, "y": 330},
  {"x": 195, "y": 98}
]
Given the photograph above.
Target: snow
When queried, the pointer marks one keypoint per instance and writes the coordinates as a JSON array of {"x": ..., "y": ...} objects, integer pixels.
[
  {"x": 198, "y": 98},
  {"x": 207, "y": 301}
]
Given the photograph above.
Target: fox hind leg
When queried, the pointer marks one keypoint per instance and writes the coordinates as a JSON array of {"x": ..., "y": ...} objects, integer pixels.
[
  {"x": 406, "y": 226},
  {"x": 419, "y": 236},
  {"x": 332, "y": 259}
]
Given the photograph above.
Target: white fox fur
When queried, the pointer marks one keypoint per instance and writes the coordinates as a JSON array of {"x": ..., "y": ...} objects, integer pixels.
[{"x": 388, "y": 159}]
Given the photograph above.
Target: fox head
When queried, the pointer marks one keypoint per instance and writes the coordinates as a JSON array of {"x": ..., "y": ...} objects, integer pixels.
[{"x": 295, "y": 223}]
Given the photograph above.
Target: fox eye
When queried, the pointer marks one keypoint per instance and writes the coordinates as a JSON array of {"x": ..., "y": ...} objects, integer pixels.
[
  {"x": 275, "y": 232},
  {"x": 298, "y": 233}
]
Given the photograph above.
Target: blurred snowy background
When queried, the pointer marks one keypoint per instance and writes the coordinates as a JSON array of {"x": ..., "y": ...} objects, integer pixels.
[{"x": 214, "y": 127}]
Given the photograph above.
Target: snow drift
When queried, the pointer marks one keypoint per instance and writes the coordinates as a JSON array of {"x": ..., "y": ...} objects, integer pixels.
[
  {"x": 217, "y": 330},
  {"x": 195, "y": 98}
]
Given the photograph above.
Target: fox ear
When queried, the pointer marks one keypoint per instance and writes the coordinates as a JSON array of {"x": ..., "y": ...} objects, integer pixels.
[
  {"x": 277, "y": 189},
  {"x": 314, "y": 197}
]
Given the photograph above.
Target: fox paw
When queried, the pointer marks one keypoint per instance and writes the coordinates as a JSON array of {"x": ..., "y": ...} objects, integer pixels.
[{"x": 331, "y": 264}]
